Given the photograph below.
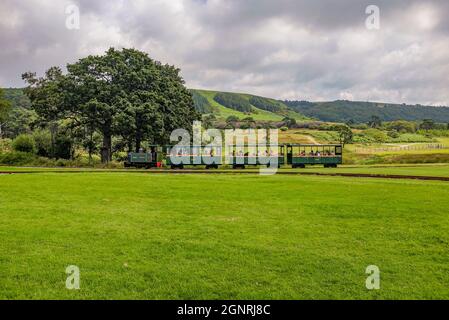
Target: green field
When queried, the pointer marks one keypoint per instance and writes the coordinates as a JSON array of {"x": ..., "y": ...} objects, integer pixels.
[
  {"x": 147, "y": 236},
  {"x": 432, "y": 170},
  {"x": 437, "y": 170}
]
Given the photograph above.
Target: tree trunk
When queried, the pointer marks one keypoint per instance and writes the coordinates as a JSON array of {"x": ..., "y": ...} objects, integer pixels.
[
  {"x": 106, "y": 154},
  {"x": 52, "y": 138},
  {"x": 138, "y": 142}
]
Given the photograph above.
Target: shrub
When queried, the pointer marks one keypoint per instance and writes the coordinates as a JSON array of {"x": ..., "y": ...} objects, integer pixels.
[
  {"x": 411, "y": 137},
  {"x": 232, "y": 119},
  {"x": 5, "y": 145},
  {"x": 283, "y": 128},
  {"x": 16, "y": 158},
  {"x": 401, "y": 126},
  {"x": 376, "y": 135},
  {"x": 63, "y": 147},
  {"x": 24, "y": 143},
  {"x": 42, "y": 139}
]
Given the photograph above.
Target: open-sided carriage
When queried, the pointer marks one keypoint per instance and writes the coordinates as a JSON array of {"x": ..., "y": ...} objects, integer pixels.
[
  {"x": 247, "y": 155},
  {"x": 179, "y": 156},
  {"x": 328, "y": 155}
]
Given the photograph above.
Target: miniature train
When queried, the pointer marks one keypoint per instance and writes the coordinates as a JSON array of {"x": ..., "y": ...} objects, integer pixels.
[{"x": 294, "y": 155}]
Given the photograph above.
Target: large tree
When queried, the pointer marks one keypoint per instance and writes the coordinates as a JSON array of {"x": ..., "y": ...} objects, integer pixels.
[{"x": 124, "y": 93}]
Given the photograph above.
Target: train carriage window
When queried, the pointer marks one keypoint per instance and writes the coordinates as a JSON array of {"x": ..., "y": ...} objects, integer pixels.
[{"x": 338, "y": 150}]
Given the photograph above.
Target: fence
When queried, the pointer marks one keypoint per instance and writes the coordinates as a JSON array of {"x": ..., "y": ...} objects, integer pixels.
[{"x": 414, "y": 147}]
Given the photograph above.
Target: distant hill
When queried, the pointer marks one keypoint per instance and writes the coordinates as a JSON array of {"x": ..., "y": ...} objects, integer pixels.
[
  {"x": 225, "y": 104},
  {"x": 362, "y": 112},
  {"x": 17, "y": 97}
]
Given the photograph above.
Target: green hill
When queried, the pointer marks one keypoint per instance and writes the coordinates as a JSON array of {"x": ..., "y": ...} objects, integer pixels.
[
  {"x": 17, "y": 97},
  {"x": 225, "y": 104},
  {"x": 362, "y": 112}
]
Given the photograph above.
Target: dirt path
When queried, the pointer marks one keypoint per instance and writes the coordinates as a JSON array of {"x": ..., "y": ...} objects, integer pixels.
[{"x": 312, "y": 140}]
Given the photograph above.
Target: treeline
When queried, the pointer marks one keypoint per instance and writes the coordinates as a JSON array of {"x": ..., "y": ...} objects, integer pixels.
[
  {"x": 361, "y": 112},
  {"x": 233, "y": 101},
  {"x": 17, "y": 98},
  {"x": 266, "y": 104},
  {"x": 201, "y": 103}
]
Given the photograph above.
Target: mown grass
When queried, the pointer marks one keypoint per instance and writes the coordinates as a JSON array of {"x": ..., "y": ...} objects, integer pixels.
[
  {"x": 144, "y": 236},
  {"x": 441, "y": 170},
  {"x": 433, "y": 170}
]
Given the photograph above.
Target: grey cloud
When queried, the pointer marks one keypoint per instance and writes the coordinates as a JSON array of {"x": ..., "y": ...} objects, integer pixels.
[{"x": 286, "y": 48}]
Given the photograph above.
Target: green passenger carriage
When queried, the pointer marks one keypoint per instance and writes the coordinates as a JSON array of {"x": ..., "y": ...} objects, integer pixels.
[
  {"x": 300, "y": 155},
  {"x": 241, "y": 156},
  {"x": 179, "y": 156}
]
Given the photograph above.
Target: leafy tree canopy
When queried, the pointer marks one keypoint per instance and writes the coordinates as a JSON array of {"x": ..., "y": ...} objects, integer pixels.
[{"x": 121, "y": 93}]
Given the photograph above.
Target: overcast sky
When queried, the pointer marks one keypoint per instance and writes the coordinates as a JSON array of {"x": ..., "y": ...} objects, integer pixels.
[{"x": 288, "y": 49}]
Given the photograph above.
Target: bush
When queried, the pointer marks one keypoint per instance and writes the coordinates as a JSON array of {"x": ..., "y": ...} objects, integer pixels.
[
  {"x": 412, "y": 137},
  {"x": 24, "y": 143},
  {"x": 283, "y": 128},
  {"x": 232, "y": 118},
  {"x": 63, "y": 147},
  {"x": 42, "y": 139},
  {"x": 376, "y": 135},
  {"x": 401, "y": 126},
  {"x": 5, "y": 145},
  {"x": 16, "y": 158}
]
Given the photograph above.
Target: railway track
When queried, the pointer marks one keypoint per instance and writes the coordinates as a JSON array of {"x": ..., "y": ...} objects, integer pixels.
[{"x": 236, "y": 172}]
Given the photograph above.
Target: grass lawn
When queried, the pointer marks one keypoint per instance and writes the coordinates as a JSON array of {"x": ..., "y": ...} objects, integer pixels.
[
  {"x": 146, "y": 236},
  {"x": 437, "y": 170}
]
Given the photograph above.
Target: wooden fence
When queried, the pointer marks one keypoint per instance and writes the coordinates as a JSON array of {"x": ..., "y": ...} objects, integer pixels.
[{"x": 414, "y": 147}]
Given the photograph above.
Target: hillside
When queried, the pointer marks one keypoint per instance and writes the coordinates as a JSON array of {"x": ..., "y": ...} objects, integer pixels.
[
  {"x": 225, "y": 104},
  {"x": 17, "y": 97},
  {"x": 362, "y": 112}
]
